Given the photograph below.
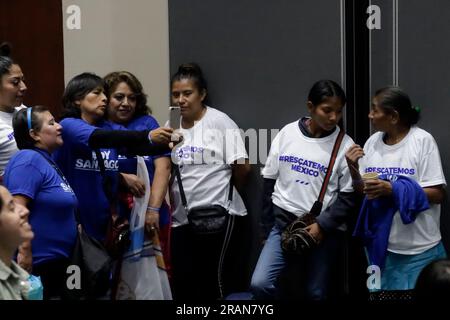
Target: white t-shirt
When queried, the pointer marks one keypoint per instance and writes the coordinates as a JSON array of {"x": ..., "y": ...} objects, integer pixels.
[
  {"x": 299, "y": 165},
  {"x": 417, "y": 157},
  {"x": 205, "y": 157},
  {"x": 8, "y": 146}
]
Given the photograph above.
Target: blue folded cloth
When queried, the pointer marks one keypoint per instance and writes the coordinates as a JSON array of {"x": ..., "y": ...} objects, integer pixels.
[{"x": 375, "y": 217}]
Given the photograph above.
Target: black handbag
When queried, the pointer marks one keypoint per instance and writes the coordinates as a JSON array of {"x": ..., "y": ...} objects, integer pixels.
[
  {"x": 295, "y": 239},
  {"x": 95, "y": 266},
  {"x": 208, "y": 219}
]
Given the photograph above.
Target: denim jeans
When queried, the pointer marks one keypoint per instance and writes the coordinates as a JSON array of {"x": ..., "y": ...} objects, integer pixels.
[{"x": 318, "y": 265}]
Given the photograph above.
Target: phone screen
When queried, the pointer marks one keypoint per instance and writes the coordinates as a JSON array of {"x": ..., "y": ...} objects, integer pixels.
[{"x": 174, "y": 117}]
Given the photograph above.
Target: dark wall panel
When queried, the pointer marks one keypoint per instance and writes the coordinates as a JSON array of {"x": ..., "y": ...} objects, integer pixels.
[
  {"x": 260, "y": 59},
  {"x": 34, "y": 28},
  {"x": 424, "y": 72}
]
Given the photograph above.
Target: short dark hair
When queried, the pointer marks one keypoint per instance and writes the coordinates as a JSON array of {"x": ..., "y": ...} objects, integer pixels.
[
  {"x": 434, "y": 281},
  {"x": 191, "y": 71},
  {"x": 393, "y": 99},
  {"x": 114, "y": 78},
  {"x": 323, "y": 89},
  {"x": 77, "y": 88},
  {"x": 20, "y": 126}
]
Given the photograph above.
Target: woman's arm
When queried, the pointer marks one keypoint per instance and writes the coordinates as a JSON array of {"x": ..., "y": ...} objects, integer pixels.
[
  {"x": 159, "y": 190},
  {"x": 352, "y": 156},
  {"x": 435, "y": 194},
  {"x": 240, "y": 171},
  {"x": 24, "y": 256},
  {"x": 135, "y": 142}
]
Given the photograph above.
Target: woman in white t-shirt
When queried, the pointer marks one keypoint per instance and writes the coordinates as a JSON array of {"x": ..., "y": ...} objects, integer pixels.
[
  {"x": 12, "y": 91},
  {"x": 293, "y": 176},
  {"x": 211, "y": 155},
  {"x": 400, "y": 148}
]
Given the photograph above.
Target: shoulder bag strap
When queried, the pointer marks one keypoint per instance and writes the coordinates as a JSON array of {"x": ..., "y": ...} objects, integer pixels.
[
  {"x": 317, "y": 206},
  {"x": 183, "y": 195}
]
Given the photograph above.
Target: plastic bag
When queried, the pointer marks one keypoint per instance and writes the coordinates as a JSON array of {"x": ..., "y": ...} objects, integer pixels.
[{"x": 36, "y": 289}]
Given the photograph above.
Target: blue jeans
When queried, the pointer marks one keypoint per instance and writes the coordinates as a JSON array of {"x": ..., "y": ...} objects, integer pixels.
[{"x": 318, "y": 266}]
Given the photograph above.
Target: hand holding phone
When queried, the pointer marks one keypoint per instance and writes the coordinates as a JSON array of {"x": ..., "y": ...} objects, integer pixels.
[
  {"x": 174, "y": 117},
  {"x": 174, "y": 122}
]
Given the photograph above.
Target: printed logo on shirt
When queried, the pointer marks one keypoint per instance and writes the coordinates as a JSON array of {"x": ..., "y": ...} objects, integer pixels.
[
  {"x": 11, "y": 136},
  {"x": 391, "y": 170},
  {"x": 307, "y": 167},
  {"x": 92, "y": 164},
  {"x": 197, "y": 155},
  {"x": 66, "y": 187}
]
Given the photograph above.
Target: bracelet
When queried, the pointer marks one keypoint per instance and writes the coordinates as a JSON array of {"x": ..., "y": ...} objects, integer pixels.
[{"x": 149, "y": 208}]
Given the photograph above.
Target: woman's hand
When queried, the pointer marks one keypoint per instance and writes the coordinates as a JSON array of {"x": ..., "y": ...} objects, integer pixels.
[
  {"x": 25, "y": 257},
  {"x": 151, "y": 222},
  {"x": 315, "y": 231},
  {"x": 135, "y": 185},
  {"x": 161, "y": 135},
  {"x": 353, "y": 154},
  {"x": 375, "y": 188}
]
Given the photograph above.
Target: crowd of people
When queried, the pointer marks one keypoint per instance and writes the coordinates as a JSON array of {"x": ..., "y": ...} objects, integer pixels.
[{"x": 81, "y": 171}]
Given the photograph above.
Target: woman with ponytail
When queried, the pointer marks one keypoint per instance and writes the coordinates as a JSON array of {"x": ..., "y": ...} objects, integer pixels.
[
  {"x": 400, "y": 151},
  {"x": 211, "y": 157},
  {"x": 12, "y": 91}
]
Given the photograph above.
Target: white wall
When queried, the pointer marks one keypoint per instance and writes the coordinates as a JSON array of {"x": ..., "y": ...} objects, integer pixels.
[{"x": 130, "y": 35}]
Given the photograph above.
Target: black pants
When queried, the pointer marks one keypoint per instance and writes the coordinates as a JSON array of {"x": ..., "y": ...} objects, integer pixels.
[
  {"x": 53, "y": 275},
  {"x": 197, "y": 263}
]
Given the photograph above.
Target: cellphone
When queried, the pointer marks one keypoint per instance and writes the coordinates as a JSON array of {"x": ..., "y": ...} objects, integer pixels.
[{"x": 174, "y": 117}]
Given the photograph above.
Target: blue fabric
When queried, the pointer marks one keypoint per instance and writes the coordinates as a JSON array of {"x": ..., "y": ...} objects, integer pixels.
[
  {"x": 128, "y": 163},
  {"x": 375, "y": 217},
  {"x": 401, "y": 271},
  {"x": 79, "y": 164},
  {"x": 52, "y": 205}
]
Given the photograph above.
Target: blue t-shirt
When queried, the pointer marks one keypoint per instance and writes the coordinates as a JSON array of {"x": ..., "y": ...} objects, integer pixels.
[
  {"x": 52, "y": 207},
  {"x": 79, "y": 164},
  {"x": 128, "y": 163}
]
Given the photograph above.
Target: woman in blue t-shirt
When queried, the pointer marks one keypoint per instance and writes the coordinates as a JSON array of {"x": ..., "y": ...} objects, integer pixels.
[
  {"x": 36, "y": 182},
  {"x": 86, "y": 137},
  {"x": 127, "y": 106}
]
